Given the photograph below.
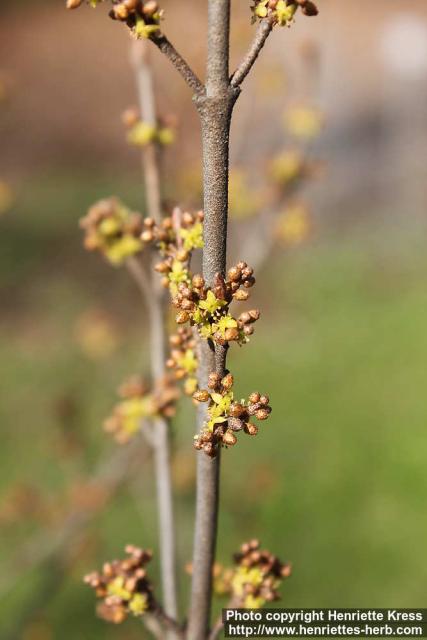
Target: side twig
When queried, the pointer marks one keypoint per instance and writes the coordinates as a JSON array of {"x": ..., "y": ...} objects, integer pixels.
[
  {"x": 155, "y": 302},
  {"x": 264, "y": 29},
  {"x": 179, "y": 63}
]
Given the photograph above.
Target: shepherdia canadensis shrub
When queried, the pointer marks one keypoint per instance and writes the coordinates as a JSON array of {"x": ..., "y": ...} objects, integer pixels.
[{"x": 158, "y": 249}]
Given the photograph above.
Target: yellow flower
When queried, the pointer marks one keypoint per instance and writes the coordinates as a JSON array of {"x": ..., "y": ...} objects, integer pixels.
[
  {"x": 224, "y": 323},
  {"x": 193, "y": 237},
  {"x": 286, "y": 167},
  {"x": 304, "y": 122},
  {"x": 123, "y": 248},
  {"x": 211, "y": 304},
  {"x": 143, "y": 30},
  {"x": 244, "y": 202},
  {"x": 284, "y": 13},
  {"x": 253, "y": 602},
  {"x": 188, "y": 362},
  {"x": 166, "y": 136},
  {"x": 109, "y": 226},
  {"x": 142, "y": 134},
  {"x": 116, "y": 588},
  {"x": 138, "y": 604},
  {"x": 294, "y": 226},
  {"x": 244, "y": 576}
]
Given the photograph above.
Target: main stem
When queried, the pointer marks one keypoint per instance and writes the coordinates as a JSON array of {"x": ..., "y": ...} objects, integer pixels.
[{"x": 215, "y": 109}]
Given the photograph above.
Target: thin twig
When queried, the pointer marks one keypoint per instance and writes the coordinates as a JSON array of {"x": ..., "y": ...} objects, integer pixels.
[
  {"x": 264, "y": 29},
  {"x": 179, "y": 63},
  {"x": 155, "y": 302},
  {"x": 216, "y": 629},
  {"x": 147, "y": 104}
]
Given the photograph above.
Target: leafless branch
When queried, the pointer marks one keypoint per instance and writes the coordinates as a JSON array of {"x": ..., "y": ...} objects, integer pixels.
[
  {"x": 264, "y": 29},
  {"x": 154, "y": 300},
  {"x": 215, "y": 112},
  {"x": 179, "y": 63}
]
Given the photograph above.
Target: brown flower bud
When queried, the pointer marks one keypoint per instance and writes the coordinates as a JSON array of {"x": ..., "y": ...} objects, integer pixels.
[
  {"x": 198, "y": 445},
  {"x": 201, "y": 395},
  {"x": 309, "y": 9},
  {"x": 130, "y": 117},
  {"x": 235, "y": 424},
  {"x": 182, "y": 317},
  {"x": 209, "y": 449},
  {"x": 254, "y": 314},
  {"x": 150, "y": 8},
  {"x": 74, "y": 4},
  {"x": 245, "y": 317},
  {"x": 241, "y": 265},
  {"x": 131, "y": 5},
  {"x": 248, "y": 329},
  {"x": 247, "y": 272},
  {"x": 236, "y": 410},
  {"x": 187, "y": 219},
  {"x": 264, "y": 400},
  {"x": 147, "y": 236},
  {"x": 198, "y": 281},
  {"x": 227, "y": 381},
  {"x": 241, "y": 295},
  {"x": 182, "y": 255},
  {"x": 253, "y": 408},
  {"x": 229, "y": 439},
  {"x": 120, "y": 11},
  {"x": 254, "y": 397},
  {"x": 234, "y": 274},
  {"x": 249, "y": 283},
  {"x": 231, "y": 334},
  {"x": 187, "y": 305},
  {"x": 262, "y": 414},
  {"x": 214, "y": 380},
  {"x": 167, "y": 224},
  {"x": 251, "y": 429},
  {"x": 160, "y": 267}
]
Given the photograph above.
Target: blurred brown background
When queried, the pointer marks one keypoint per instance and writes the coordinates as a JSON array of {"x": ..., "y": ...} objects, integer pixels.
[{"x": 337, "y": 484}]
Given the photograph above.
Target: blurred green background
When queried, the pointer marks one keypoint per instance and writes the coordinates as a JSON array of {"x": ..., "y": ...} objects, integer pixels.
[{"x": 335, "y": 482}]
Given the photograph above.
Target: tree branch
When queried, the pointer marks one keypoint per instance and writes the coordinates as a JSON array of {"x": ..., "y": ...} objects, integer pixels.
[
  {"x": 179, "y": 63},
  {"x": 215, "y": 111},
  {"x": 218, "y": 47},
  {"x": 264, "y": 29},
  {"x": 147, "y": 104},
  {"x": 155, "y": 302}
]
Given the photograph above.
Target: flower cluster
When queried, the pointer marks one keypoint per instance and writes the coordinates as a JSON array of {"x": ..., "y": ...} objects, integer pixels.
[
  {"x": 113, "y": 229},
  {"x": 255, "y": 579},
  {"x": 289, "y": 168},
  {"x": 226, "y": 416},
  {"x": 141, "y": 133},
  {"x": 208, "y": 308},
  {"x": 304, "y": 122},
  {"x": 123, "y": 586},
  {"x": 282, "y": 12},
  {"x": 294, "y": 224},
  {"x": 138, "y": 401},
  {"x": 141, "y": 16},
  {"x": 175, "y": 239},
  {"x": 183, "y": 360}
]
